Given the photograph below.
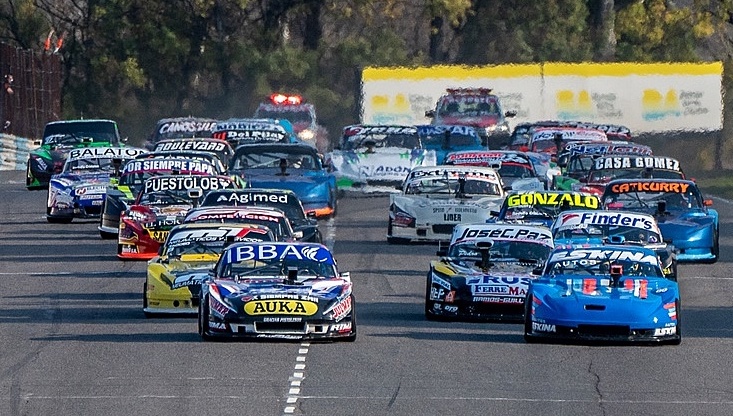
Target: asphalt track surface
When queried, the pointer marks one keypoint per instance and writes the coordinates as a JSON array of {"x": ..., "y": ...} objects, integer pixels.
[{"x": 74, "y": 340}]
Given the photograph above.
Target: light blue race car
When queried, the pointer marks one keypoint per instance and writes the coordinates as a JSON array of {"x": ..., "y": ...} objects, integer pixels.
[{"x": 603, "y": 294}]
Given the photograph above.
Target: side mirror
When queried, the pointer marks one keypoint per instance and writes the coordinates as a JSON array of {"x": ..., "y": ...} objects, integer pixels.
[
  {"x": 537, "y": 271},
  {"x": 430, "y": 113},
  {"x": 36, "y": 143},
  {"x": 298, "y": 235},
  {"x": 707, "y": 202},
  {"x": 345, "y": 276},
  {"x": 494, "y": 213},
  {"x": 195, "y": 193},
  {"x": 510, "y": 114}
]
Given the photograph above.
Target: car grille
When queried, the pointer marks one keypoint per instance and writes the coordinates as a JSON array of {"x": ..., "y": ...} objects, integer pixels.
[
  {"x": 280, "y": 327},
  {"x": 603, "y": 330},
  {"x": 443, "y": 228}
]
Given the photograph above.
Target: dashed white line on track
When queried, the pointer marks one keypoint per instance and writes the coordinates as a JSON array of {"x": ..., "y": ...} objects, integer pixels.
[{"x": 295, "y": 380}]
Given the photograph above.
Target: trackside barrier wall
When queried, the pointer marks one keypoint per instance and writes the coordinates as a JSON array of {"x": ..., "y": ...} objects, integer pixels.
[
  {"x": 647, "y": 98},
  {"x": 14, "y": 152}
]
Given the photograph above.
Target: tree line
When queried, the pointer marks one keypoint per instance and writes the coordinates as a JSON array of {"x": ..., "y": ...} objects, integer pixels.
[{"x": 137, "y": 61}]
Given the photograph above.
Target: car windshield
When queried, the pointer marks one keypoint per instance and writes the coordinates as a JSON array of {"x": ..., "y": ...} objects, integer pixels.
[
  {"x": 469, "y": 106},
  {"x": 597, "y": 231},
  {"x": 247, "y": 269},
  {"x": 168, "y": 197},
  {"x": 451, "y": 187},
  {"x": 72, "y": 133},
  {"x": 650, "y": 201},
  {"x": 260, "y": 159},
  {"x": 513, "y": 170},
  {"x": 503, "y": 251},
  {"x": 605, "y": 175},
  {"x": 370, "y": 142},
  {"x": 578, "y": 164},
  {"x": 455, "y": 140}
]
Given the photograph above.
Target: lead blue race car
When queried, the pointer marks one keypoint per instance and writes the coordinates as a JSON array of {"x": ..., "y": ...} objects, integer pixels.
[{"x": 603, "y": 294}]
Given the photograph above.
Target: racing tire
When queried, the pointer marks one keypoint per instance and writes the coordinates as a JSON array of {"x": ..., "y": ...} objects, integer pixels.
[
  {"x": 716, "y": 248},
  {"x": 203, "y": 319},
  {"x": 107, "y": 236},
  {"x": 528, "y": 337},
  {"x": 57, "y": 220},
  {"x": 335, "y": 206},
  {"x": 145, "y": 301},
  {"x": 394, "y": 240}
]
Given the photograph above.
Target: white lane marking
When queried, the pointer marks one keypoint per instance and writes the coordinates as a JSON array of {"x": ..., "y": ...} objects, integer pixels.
[
  {"x": 291, "y": 399},
  {"x": 727, "y": 201}
]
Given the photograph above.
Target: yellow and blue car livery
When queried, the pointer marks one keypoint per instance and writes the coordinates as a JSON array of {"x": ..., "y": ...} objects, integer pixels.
[
  {"x": 281, "y": 290},
  {"x": 174, "y": 277}
]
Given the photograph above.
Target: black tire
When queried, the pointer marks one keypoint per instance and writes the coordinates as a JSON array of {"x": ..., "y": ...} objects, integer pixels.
[
  {"x": 28, "y": 174},
  {"x": 528, "y": 338},
  {"x": 335, "y": 206},
  {"x": 716, "y": 246},
  {"x": 394, "y": 240},
  {"x": 203, "y": 319},
  {"x": 107, "y": 236},
  {"x": 59, "y": 220},
  {"x": 145, "y": 300}
]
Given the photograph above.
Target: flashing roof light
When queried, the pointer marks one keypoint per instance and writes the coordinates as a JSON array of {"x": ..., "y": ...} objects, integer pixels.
[{"x": 282, "y": 99}]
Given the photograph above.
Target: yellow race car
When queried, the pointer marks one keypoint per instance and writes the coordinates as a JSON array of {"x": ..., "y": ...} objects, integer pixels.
[{"x": 173, "y": 283}]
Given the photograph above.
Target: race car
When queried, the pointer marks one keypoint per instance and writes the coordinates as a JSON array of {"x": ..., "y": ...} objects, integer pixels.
[
  {"x": 296, "y": 167},
  {"x": 485, "y": 272},
  {"x": 378, "y": 155},
  {"x": 518, "y": 170},
  {"x": 552, "y": 140},
  {"x": 80, "y": 189},
  {"x": 180, "y": 128},
  {"x": 239, "y": 131},
  {"x": 161, "y": 204},
  {"x": 220, "y": 148},
  {"x": 277, "y": 290},
  {"x": 436, "y": 198},
  {"x": 448, "y": 138},
  {"x": 173, "y": 283},
  {"x": 586, "y": 228},
  {"x": 272, "y": 218},
  {"x": 577, "y": 159},
  {"x": 301, "y": 114},
  {"x": 608, "y": 168},
  {"x": 476, "y": 107},
  {"x": 606, "y": 293},
  {"x": 283, "y": 199},
  {"x": 59, "y": 137},
  {"x": 542, "y": 207},
  {"x": 684, "y": 217},
  {"x": 123, "y": 191}
]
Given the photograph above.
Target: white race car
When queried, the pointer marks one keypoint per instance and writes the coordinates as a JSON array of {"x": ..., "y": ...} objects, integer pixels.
[{"x": 436, "y": 198}]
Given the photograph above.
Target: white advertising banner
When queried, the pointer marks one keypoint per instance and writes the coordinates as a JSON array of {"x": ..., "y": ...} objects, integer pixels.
[{"x": 663, "y": 97}]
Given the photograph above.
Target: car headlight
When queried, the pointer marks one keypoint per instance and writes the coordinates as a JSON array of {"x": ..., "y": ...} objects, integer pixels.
[{"x": 306, "y": 134}]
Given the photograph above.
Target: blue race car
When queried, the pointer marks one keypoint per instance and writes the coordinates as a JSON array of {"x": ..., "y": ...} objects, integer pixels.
[
  {"x": 605, "y": 293},
  {"x": 277, "y": 290},
  {"x": 685, "y": 218},
  {"x": 449, "y": 138},
  {"x": 80, "y": 189},
  {"x": 297, "y": 167}
]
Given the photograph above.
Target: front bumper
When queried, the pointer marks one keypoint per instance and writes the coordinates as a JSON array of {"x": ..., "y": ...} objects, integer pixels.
[{"x": 603, "y": 333}]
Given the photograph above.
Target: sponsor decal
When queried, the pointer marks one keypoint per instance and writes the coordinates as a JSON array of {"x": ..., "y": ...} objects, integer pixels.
[
  {"x": 169, "y": 165},
  {"x": 440, "y": 282},
  {"x": 496, "y": 299},
  {"x": 659, "y": 332},
  {"x": 553, "y": 199},
  {"x": 251, "y": 135},
  {"x": 507, "y": 232},
  {"x": 178, "y": 183},
  {"x": 280, "y": 307},
  {"x": 187, "y": 280},
  {"x": 105, "y": 152},
  {"x": 158, "y": 236},
  {"x": 204, "y": 216},
  {"x": 486, "y": 158},
  {"x": 676, "y": 187},
  {"x": 197, "y": 145},
  {"x": 457, "y": 130},
  {"x": 282, "y": 319},
  {"x": 341, "y": 327},
  {"x": 455, "y": 173},
  {"x": 96, "y": 189},
  {"x": 539, "y": 327},
  {"x": 603, "y": 218},
  {"x": 240, "y": 126},
  {"x": 279, "y": 251},
  {"x": 602, "y": 255},
  {"x": 450, "y": 217},
  {"x": 220, "y": 326},
  {"x": 451, "y": 308},
  {"x": 436, "y": 293},
  {"x": 625, "y": 162},
  {"x": 378, "y": 130},
  {"x": 253, "y": 197},
  {"x": 92, "y": 196},
  {"x": 341, "y": 309},
  {"x": 186, "y": 127}
]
